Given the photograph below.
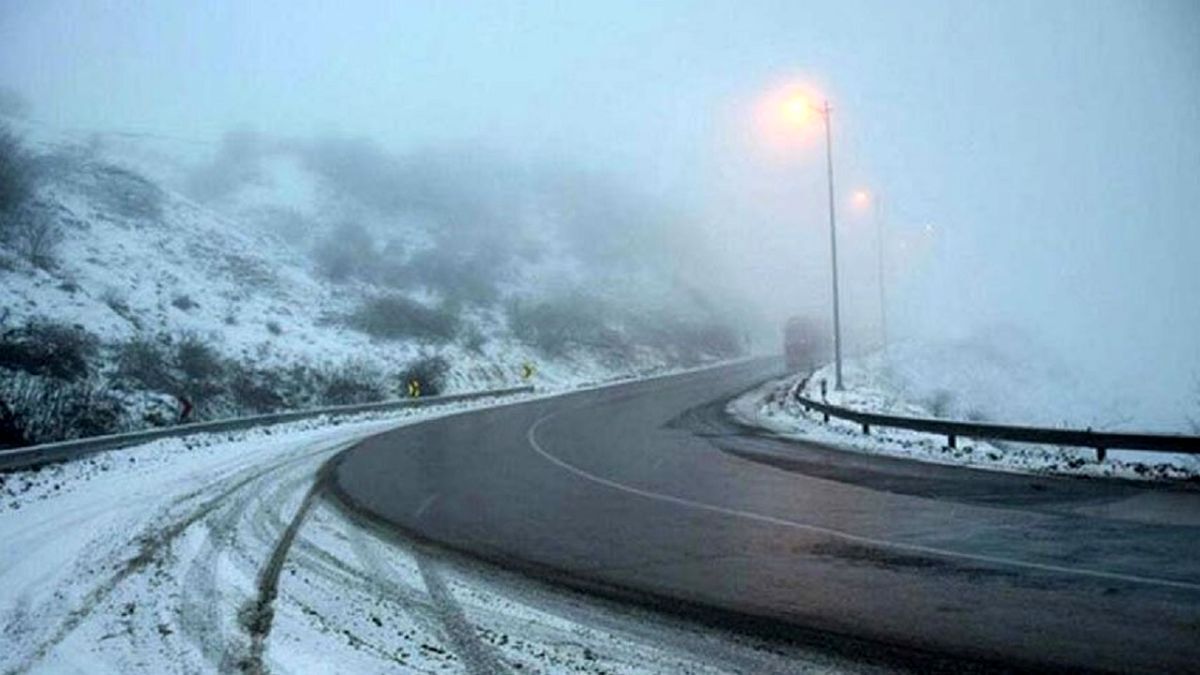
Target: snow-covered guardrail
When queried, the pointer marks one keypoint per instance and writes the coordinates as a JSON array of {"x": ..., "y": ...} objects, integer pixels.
[
  {"x": 1102, "y": 441},
  {"x": 27, "y": 458}
]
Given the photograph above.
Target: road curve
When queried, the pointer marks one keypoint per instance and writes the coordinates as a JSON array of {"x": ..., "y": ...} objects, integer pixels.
[{"x": 647, "y": 491}]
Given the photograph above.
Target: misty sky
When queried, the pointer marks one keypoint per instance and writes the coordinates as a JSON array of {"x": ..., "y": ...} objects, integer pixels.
[{"x": 1044, "y": 156}]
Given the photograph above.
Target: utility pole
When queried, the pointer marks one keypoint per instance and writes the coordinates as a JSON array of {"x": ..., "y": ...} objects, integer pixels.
[{"x": 837, "y": 319}]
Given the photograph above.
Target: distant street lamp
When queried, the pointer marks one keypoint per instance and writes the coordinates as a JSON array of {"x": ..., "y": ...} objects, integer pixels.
[{"x": 798, "y": 109}]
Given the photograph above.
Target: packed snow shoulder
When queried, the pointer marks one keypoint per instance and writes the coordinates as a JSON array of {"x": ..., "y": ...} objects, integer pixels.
[{"x": 774, "y": 407}]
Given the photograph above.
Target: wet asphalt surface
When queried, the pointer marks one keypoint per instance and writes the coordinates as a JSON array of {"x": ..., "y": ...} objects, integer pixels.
[{"x": 648, "y": 492}]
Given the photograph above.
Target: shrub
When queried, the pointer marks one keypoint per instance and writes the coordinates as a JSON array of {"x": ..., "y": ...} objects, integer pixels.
[
  {"x": 17, "y": 175},
  {"x": 940, "y": 402},
  {"x": 274, "y": 328},
  {"x": 255, "y": 391},
  {"x": 33, "y": 235},
  {"x": 555, "y": 327},
  {"x": 48, "y": 348},
  {"x": 351, "y": 384},
  {"x": 429, "y": 372},
  {"x": 466, "y": 279},
  {"x": 11, "y": 433},
  {"x": 202, "y": 367},
  {"x": 147, "y": 364},
  {"x": 43, "y": 410},
  {"x": 184, "y": 302},
  {"x": 25, "y": 227},
  {"x": 394, "y": 317}
]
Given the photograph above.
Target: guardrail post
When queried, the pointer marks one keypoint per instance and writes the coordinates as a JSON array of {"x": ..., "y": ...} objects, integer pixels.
[
  {"x": 826, "y": 414},
  {"x": 867, "y": 429},
  {"x": 952, "y": 440},
  {"x": 1101, "y": 453}
]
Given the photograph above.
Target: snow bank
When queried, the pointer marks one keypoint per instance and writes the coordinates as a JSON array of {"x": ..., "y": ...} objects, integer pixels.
[{"x": 999, "y": 380}]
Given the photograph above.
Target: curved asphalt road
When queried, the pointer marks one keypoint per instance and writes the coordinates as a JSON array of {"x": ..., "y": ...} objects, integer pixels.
[{"x": 647, "y": 491}]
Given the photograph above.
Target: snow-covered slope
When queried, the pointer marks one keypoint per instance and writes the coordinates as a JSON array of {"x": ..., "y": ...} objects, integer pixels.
[{"x": 141, "y": 262}]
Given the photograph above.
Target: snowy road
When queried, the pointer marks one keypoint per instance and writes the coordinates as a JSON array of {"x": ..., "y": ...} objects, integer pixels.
[
  {"x": 218, "y": 555},
  {"x": 648, "y": 491},
  {"x": 231, "y": 552}
]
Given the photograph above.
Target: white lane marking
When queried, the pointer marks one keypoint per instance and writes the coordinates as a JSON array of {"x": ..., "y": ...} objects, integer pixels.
[
  {"x": 839, "y": 534},
  {"x": 425, "y": 505}
]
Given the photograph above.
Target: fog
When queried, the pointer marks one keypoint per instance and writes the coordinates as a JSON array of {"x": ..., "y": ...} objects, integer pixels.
[{"x": 1036, "y": 163}]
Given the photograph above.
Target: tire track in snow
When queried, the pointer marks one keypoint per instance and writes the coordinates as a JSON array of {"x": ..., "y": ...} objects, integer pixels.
[
  {"x": 258, "y": 616},
  {"x": 151, "y": 542},
  {"x": 477, "y": 658}
]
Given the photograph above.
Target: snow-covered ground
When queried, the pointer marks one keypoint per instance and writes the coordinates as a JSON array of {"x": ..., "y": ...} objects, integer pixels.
[
  {"x": 138, "y": 258},
  {"x": 150, "y": 559},
  {"x": 964, "y": 382},
  {"x": 146, "y": 265}
]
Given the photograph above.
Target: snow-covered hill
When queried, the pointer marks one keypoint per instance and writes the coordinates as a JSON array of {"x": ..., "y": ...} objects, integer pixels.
[{"x": 287, "y": 288}]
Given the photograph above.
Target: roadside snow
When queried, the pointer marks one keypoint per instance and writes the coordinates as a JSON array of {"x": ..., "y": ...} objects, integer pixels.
[
  {"x": 870, "y": 386},
  {"x": 149, "y": 560}
]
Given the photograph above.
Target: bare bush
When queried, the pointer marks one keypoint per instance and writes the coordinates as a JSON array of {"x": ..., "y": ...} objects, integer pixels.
[
  {"x": 395, "y": 317},
  {"x": 940, "y": 402},
  {"x": 184, "y": 302},
  {"x": 429, "y": 372},
  {"x": 202, "y": 368},
  {"x": 35, "y": 237},
  {"x": 17, "y": 177},
  {"x": 24, "y": 227},
  {"x": 48, "y": 348},
  {"x": 458, "y": 277},
  {"x": 256, "y": 391},
  {"x": 352, "y": 383},
  {"x": 146, "y": 363},
  {"x": 43, "y": 410},
  {"x": 557, "y": 326}
]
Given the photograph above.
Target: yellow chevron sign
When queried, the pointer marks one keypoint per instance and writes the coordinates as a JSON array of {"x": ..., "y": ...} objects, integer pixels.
[
  {"x": 527, "y": 371},
  {"x": 414, "y": 388}
]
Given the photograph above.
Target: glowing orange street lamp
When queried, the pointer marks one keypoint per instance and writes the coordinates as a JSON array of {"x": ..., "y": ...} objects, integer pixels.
[{"x": 798, "y": 109}]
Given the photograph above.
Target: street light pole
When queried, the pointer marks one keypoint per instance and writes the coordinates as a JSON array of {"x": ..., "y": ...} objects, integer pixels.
[{"x": 837, "y": 319}]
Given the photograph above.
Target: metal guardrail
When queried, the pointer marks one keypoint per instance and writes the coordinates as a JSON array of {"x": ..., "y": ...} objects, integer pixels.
[
  {"x": 18, "y": 459},
  {"x": 1101, "y": 441}
]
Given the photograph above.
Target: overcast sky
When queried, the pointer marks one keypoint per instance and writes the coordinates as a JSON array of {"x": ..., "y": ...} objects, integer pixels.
[{"x": 1050, "y": 151}]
